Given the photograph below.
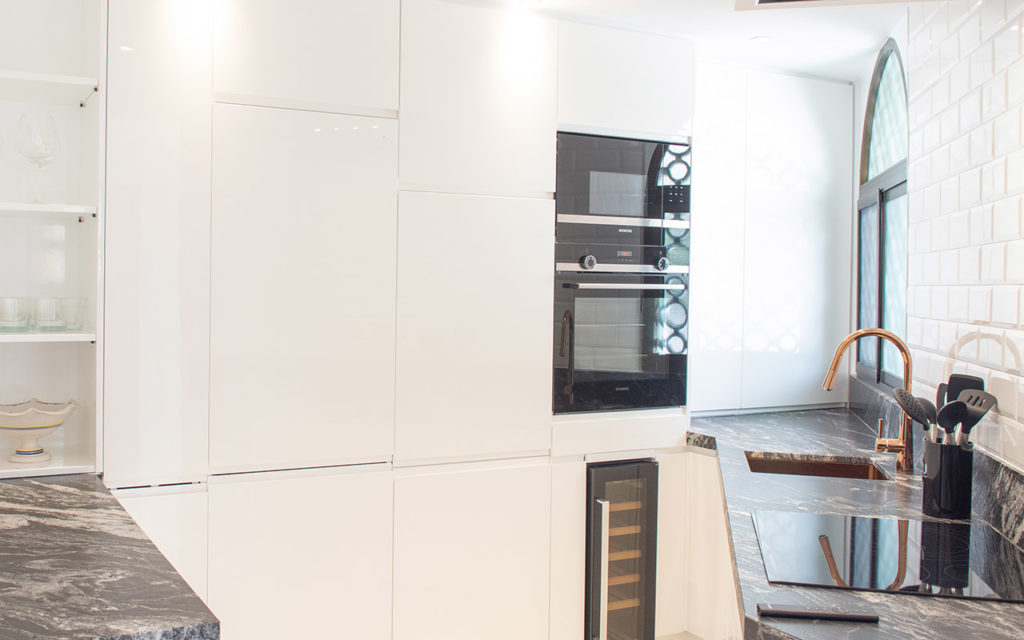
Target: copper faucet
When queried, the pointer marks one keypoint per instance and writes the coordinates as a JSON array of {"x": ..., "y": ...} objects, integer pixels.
[{"x": 901, "y": 445}]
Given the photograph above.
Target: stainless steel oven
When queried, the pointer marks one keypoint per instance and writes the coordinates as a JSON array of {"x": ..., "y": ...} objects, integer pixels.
[{"x": 621, "y": 274}]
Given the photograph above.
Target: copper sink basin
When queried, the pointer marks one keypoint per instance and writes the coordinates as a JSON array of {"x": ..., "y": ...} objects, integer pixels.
[{"x": 800, "y": 464}]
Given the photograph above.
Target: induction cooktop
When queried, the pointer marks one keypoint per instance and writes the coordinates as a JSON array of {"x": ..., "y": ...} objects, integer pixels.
[{"x": 949, "y": 559}]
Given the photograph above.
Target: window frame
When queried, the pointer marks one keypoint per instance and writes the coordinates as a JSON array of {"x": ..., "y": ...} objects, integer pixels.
[{"x": 885, "y": 187}]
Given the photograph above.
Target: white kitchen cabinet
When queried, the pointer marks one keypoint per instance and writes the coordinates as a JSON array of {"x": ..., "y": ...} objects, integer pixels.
[
  {"x": 175, "y": 519},
  {"x": 771, "y": 227},
  {"x": 716, "y": 286},
  {"x": 316, "y": 54},
  {"x": 568, "y": 548},
  {"x": 708, "y": 594},
  {"x": 52, "y": 94},
  {"x": 303, "y": 289},
  {"x": 478, "y": 90},
  {"x": 472, "y": 545},
  {"x": 797, "y": 238},
  {"x": 158, "y": 242},
  {"x": 302, "y": 554},
  {"x": 474, "y": 315},
  {"x": 617, "y": 82}
]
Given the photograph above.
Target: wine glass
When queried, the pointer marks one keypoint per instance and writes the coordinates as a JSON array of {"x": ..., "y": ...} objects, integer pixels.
[{"x": 38, "y": 142}]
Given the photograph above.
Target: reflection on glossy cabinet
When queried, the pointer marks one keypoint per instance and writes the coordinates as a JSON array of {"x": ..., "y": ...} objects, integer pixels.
[
  {"x": 175, "y": 519},
  {"x": 158, "y": 242},
  {"x": 303, "y": 289},
  {"x": 474, "y": 315},
  {"x": 478, "y": 99},
  {"x": 302, "y": 554},
  {"x": 321, "y": 53},
  {"x": 472, "y": 547},
  {"x": 624, "y": 82}
]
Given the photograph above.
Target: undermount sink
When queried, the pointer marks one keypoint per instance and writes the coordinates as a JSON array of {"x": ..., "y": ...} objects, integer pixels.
[{"x": 802, "y": 464}]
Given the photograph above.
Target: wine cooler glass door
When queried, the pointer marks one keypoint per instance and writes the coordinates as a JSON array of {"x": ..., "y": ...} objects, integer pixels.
[{"x": 621, "y": 545}]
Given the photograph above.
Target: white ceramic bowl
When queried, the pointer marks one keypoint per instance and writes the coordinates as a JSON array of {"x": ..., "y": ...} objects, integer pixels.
[{"x": 31, "y": 421}]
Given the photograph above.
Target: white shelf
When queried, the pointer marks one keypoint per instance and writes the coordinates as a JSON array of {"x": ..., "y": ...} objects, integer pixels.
[
  {"x": 34, "y": 336},
  {"x": 24, "y": 207},
  {"x": 20, "y": 86},
  {"x": 63, "y": 462}
]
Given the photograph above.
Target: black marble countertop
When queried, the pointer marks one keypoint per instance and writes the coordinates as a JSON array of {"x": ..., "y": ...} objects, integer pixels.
[
  {"x": 74, "y": 565},
  {"x": 841, "y": 433}
]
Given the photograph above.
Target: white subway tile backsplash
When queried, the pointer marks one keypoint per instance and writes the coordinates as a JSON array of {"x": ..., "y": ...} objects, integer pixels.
[
  {"x": 979, "y": 303},
  {"x": 922, "y": 297},
  {"x": 950, "y": 201},
  {"x": 981, "y": 144},
  {"x": 1015, "y": 172},
  {"x": 932, "y": 201},
  {"x": 970, "y": 265},
  {"x": 981, "y": 66},
  {"x": 932, "y": 133},
  {"x": 1006, "y": 134},
  {"x": 967, "y": 349},
  {"x": 916, "y": 144},
  {"x": 1004, "y": 388},
  {"x": 1015, "y": 261},
  {"x": 950, "y": 123},
  {"x": 949, "y": 264},
  {"x": 949, "y": 54},
  {"x": 940, "y": 163},
  {"x": 1006, "y": 219},
  {"x": 1015, "y": 83},
  {"x": 915, "y": 270},
  {"x": 1005, "y": 304},
  {"x": 993, "y": 96},
  {"x": 959, "y": 80},
  {"x": 970, "y": 188},
  {"x": 1014, "y": 344},
  {"x": 933, "y": 267},
  {"x": 930, "y": 335},
  {"x": 990, "y": 348},
  {"x": 958, "y": 300},
  {"x": 993, "y": 263},
  {"x": 1006, "y": 47},
  {"x": 970, "y": 34},
  {"x": 959, "y": 229},
  {"x": 993, "y": 180},
  {"x": 940, "y": 303},
  {"x": 981, "y": 225},
  {"x": 993, "y": 14}
]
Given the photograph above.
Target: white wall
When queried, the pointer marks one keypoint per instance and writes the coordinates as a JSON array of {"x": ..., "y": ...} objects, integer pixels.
[{"x": 966, "y": 266}]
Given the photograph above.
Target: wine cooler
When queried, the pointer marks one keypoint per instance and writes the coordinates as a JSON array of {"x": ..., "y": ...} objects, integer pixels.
[{"x": 622, "y": 540}]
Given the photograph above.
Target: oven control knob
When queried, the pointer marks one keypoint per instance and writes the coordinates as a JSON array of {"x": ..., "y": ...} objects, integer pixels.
[
  {"x": 588, "y": 262},
  {"x": 663, "y": 264}
]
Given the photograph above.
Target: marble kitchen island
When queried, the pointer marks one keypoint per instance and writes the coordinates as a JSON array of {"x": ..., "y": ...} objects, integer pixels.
[
  {"x": 997, "y": 501},
  {"x": 74, "y": 565}
]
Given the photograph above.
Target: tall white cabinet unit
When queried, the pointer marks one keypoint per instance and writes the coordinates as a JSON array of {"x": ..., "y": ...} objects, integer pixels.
[
  {"x": 51, "y": 220},
  {"x": 158, "y": 242}
]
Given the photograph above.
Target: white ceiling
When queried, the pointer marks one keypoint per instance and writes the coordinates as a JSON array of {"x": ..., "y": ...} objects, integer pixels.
[{"x": 830, "y": 39}]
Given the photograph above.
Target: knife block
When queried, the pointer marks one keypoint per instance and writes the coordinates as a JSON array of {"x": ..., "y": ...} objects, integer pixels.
[{"x": 947, "y": 481}]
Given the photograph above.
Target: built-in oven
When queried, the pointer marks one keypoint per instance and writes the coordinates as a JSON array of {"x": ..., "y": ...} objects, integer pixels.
[
  {"x": 622, "y": 256},
  {"x": 619, "y": 329}
]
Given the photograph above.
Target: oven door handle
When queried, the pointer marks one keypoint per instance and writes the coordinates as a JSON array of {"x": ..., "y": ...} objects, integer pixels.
[{"x": 612, "y": 286}]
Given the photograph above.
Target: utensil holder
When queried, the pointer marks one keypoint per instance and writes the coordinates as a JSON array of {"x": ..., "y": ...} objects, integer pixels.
[{"x": 947, "y": 480}]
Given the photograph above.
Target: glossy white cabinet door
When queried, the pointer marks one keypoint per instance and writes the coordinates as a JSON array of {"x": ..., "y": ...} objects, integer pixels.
[
  {"x": 796, "y": 285},
  {"x": 303, "y": 291},
  {"x": 715, "y": 364},
  {"x": 302, "y": 554},
  {"x": 334, "y": 55},
  {"x": 175, "y": 519},
  {"x": 478, "y": 99},
  {"x": 624, "y": 82},
  {"x": 568, "y": 549},
  {"x": 472, "y": 553},
  {"x": 475, "y": 278},
  {"x": 156, "y": 347}
]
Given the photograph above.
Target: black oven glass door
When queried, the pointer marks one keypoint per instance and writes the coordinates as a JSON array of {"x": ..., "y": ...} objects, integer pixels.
[
  {"x": 628, "y": 179},
  {"x": 620, "y": 341}
]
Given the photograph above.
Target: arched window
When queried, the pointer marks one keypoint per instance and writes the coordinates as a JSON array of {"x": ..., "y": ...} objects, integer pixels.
[{"x": 882, "y": 219}]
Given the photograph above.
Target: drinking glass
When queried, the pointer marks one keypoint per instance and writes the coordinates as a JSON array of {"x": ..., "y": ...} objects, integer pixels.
[{"x": 37, "y": 140}]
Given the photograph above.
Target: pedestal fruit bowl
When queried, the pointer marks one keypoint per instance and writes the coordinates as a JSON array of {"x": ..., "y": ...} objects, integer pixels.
[{"x": 31, "y": 421}]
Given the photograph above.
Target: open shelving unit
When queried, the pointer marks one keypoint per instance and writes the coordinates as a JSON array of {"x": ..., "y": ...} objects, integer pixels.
[{"x": 52, "y": 65}]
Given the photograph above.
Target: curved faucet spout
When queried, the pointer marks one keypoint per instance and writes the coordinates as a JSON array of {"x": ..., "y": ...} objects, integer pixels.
[{"x": 899, "y": 445}]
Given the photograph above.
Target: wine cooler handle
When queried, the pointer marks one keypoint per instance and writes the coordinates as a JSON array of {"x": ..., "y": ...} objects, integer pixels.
[{"x": 602, "y": 633}]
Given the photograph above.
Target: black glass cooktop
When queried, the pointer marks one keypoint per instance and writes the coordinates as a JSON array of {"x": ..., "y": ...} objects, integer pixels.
[{"x": 957, "y": 560}]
